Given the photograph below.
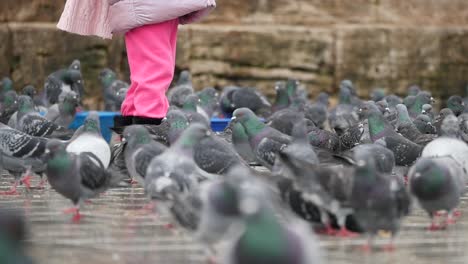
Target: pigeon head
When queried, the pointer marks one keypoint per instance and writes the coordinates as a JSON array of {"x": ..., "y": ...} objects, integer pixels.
[
  {"x": 393, "y": 100},
  {"x": 383, "y": 106},
  {"x": 323, "y": 98},
  {"x": 6, "y": 85},
  {"x": 291, "y": 87},
  {"x": 299, "y": 132},
  {"x": 26, "y": 105},
  {"x": 178, "y": 122},
  {"x": 92, "y": 123},
  {"x": 367, "y": 108},
  {"x": 414, "y": 90},
  {"x": 450, "y": 126},
  {"x": 348, "y": 85},
  {"x": 428, "y": 179},
  {"x": 283, "y": 99},
  {"x": 121, "y": 94},
  {"x": 208, "y": 95},
  {"x": 107, "y": 77},
  {"x": 75, "y": 65},
  {"x": 29, "y": 90},
  {"x": 426, "y": 109},
  {"x": 378, "y": 94},
  {"x": 424, "y": 124},
  {"x": 192, "y": 135},
  {"x": 191, "y": 103},
  {"x": 72, "y": 76},
  {"x": 345, "y": 95},
  {"x": 456, "y": 104},
  {"x": 403, "y": 116},
  {"x": 378, "y": 126},
  {"x": 10, "y": 100},
  {"x": 70, "y": 102},
  {"x": 185, "y": 78},
  {"x": 249, "y": 120},
  {"x": 444, "y": 113},
  {"x": 56, "y": 157},
  {"x": 226, "y": 102},
  {"x": 136, "y": 135}
]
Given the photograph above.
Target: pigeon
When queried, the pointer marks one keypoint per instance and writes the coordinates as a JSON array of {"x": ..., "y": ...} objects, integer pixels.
[
  {"x": 113, "y": 89},
  {"x": 21, "y": 155},
  {"x": 77, "y": 177},
  {"x": 406, "y": 152},
  {"x": 14, "y": 118},
  {"x": 343, "y": 115},
  {"x": 63, "y": 113},
  {"x": 177, "y": 95},
  {"x": 413, "y": 90},
  {"x": 324, "y": 139},
  {"x": 208, "y": 100},
  {"x": 283, "y": 99},
  {"x": 241, "y": 143},
  {"x": 246, "y": 97},
  {"x": 191, "y": 107},
  {"x": 174, "y": 172},
  {"x": 382, "y": 157},
  {"x": 34, "y": 124},
  {"x": 323, "y": 99},
  {"x": 377, "y": 94},
  {"x": 424, "y": 124},
  {"x": 264, "y": 238},
  {"x": 88, "y": 138},
  {"x": 64, "y": 80},
  {"x": 450, "y": 127},
  {"x": 139, "y": 151},
  {"x": 456, "y": 104},
  {"x": 284, "y": 120},
  {"x": 440, "y": 117},
  {"x": 379, "y": 201},
  {"x": 463, "y": 120},
  {"x": 428, "y": 111},
  {"x": 8, "y": 106},
  {"x": 352, "y": 136},
  {"x": 437, "y": 183},
  {"x": 415, "y": 107},
  {"x": 317, "y": 113},
  {"x": 226, "y": 102},
  {"x": 408, "y": 129},
  {"x": 264, "y": 140},
  {"x": 178, "y": 122},
  {"x": 6, "y": 85},
  {"x": 392, "y": 100},
  {"x": 13, "y": 233},
  {"x": 77, "y": 85}
]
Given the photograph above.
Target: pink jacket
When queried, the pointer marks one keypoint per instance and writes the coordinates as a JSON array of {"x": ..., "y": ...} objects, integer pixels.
[{"x": 104, "y": 17}]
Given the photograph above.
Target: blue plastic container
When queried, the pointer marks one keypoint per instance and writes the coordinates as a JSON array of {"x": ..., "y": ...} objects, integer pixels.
[
  {"x": 107, "y": 121},
  {"x": 106, "y": 118}
]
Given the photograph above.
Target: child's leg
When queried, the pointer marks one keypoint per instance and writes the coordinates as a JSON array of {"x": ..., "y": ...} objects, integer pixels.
[{"x": 151, "y": 56}]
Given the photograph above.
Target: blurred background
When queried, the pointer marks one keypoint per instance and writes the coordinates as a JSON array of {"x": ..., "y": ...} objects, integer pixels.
[{"x": 376, "y": 43}]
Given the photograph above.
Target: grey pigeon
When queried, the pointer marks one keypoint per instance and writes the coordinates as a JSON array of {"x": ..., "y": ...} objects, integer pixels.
[
  {"x": 264, "y": 140},
  {"x": 344, "y": 114},
  {"x": 323, "y": 99},
  {"x": 382, "y": 157},
  {"x": 377, "y": 94},
  {"x": 209, "y": 100},
  {"x": 283, "y": 99},
  {"x": 450, "y": 127},
  {"x": 139, "y": 151},
  {"x": 32, "y": 123},
  {"x": 282, "y": 241},
  {"x": 177, "y": 95},
  {"x": 64, "y": 80},
  {"x": 191, "y": 107},
  {"x": 414, "y": 89},
  {"x": 317, "y": 113},
  {"x": 324, "y": 139},
  {"x": 112, "y": 89},
  {"x": 438, "y": 184},
  {"x": 463, "y": 120},
  {"x": 88, "y": 138},
  {"x": 21, "y": 155},
  {"x": 175, "y": 172},
  {"x": 424, "y": 124},
  {"x": 8, "y": 106},
  {"x": 440, "y": 117},
  {"x": 6, "y": 85},
  {"x": 408, "y": 129},
  {"x": 428, "y": 111},
  {"x": 416, "y": 106},
  {"x": 406, "y": 152},
  {"x": 76, "y": 177},
  {"x": 393, "y": 100},
  {"x": 456, "y": 104},
  {"x": 284, "y": 120},
  {"x": 63, "y": 113},
  {"x": 241, "y": 143},
  {"x": 251, "y": 98},
  {"x": 226, "y": 99},
  {"x": 379, "y": 201}
]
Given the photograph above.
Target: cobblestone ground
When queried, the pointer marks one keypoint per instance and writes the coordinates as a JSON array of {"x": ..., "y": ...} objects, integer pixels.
[{"x": 116, "y": 228}]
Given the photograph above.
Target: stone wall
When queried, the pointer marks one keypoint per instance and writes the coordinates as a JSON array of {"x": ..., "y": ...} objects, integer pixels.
[{"x": 385, "y": 43}]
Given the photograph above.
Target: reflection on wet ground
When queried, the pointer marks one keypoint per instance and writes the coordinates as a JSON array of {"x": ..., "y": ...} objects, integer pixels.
[{"x": 116, "y": 228}]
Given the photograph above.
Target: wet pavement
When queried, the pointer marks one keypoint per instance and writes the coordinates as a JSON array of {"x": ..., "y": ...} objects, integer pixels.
[{"x": 116, "y": 228}]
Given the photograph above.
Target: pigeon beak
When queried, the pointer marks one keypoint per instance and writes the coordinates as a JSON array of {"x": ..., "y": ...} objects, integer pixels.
[
  {"x": 164, "y": 119},
  {"x": 429, "y": 123},
  {"x": 387, "y": 109},
  {"x": 124, "y": 140},
  {"x": 47, "y": 151},
  {"x": 233, "y": 118},
  {"x": 423, "y": 112},
  {"x": 432, "y": 100}
]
